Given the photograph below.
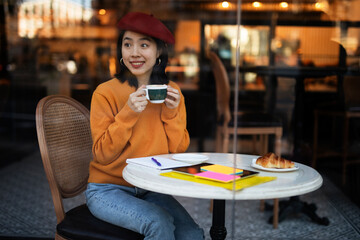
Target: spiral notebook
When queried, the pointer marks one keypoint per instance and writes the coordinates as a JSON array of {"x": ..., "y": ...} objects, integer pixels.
[{"x": 165, "y": 163}]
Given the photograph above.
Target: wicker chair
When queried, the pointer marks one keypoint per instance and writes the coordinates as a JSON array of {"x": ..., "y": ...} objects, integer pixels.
[
  {"x": 249, "y": 123},
  {"x": 63, "y": 129}
]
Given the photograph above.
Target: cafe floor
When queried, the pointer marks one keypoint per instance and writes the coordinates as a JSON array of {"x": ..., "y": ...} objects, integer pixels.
[{"x": 26, "y": 209}]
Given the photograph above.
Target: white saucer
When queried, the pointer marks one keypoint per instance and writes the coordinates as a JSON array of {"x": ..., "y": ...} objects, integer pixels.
[
  {"x": 190, "y": 158},
  {"x": 254, "y": 165}
]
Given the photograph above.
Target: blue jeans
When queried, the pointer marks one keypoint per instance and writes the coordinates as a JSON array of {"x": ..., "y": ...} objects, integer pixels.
[{"x": 155, "y": 215}]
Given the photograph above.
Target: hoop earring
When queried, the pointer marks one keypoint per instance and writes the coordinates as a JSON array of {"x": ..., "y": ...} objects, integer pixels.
[
  {"x": 122, "y": 62},
  {"x": 158, "y": 64}
]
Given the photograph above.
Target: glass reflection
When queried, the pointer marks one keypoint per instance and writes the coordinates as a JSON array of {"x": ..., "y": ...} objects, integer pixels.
[
  {"x": 69, "y": 47},
  {"x": 40, "y": 18}
]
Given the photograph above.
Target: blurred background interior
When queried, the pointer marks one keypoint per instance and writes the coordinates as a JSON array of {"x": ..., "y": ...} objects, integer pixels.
[{"x": 296, "y": 58}]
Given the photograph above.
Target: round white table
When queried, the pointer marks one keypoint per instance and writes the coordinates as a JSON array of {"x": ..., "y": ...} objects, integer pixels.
[{"x": 287, "y": 184}]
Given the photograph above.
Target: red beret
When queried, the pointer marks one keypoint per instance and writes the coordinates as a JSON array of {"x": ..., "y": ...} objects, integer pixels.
[{"x": 146, "y": 24}]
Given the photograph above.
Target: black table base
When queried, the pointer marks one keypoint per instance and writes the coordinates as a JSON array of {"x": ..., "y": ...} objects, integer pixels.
[
  {"x": 218, "y": 230},
  {"x": 295, "y": 206}
]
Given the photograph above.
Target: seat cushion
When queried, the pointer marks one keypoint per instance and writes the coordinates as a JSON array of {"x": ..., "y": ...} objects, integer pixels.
[{"x": 80, "y": 224}]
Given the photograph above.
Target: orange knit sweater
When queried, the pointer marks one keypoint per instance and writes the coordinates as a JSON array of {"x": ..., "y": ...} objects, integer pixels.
[{"x": 120, "y": 133}]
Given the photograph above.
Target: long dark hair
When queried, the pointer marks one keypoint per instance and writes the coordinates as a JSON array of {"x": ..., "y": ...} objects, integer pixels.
[{"x": 157, "y": 76}]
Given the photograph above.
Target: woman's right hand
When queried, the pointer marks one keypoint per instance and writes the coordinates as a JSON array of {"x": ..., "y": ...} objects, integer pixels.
[{"x": 137, "y": 100}]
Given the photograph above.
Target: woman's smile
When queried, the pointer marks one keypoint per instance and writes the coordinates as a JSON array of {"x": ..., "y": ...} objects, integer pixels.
[{"x": 137, "y": 64}]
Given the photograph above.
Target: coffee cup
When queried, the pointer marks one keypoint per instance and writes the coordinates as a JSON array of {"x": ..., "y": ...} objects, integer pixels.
[{"x": 156, "y": 93}]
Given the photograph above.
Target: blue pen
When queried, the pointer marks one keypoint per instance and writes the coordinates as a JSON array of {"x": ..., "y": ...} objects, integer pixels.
[{"x": 156, "y": 161}]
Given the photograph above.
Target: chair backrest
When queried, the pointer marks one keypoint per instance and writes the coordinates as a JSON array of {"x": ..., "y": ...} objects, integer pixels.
[
  {"x": 64, "y": 136},
  {"x": 222, "y": 88},
  {"x": 351, "y": 92}
]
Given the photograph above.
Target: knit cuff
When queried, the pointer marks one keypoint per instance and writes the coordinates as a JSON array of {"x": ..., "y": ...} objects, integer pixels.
[{"x": 168, "y": 113}]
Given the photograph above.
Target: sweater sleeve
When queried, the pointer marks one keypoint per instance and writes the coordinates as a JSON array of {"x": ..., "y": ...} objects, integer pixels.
[
  {"x": 111, "y": 128},
  {"x": 175, "y": 126}
]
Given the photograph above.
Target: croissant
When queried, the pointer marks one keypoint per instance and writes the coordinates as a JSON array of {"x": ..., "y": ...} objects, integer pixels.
[{"x": 270, "y": 160}]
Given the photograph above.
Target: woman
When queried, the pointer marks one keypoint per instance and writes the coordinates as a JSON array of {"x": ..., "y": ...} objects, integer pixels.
[{"x": 125, "y": 125}]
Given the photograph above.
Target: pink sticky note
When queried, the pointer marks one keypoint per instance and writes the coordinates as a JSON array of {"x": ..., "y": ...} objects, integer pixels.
[{"x": 216, "y": 176}]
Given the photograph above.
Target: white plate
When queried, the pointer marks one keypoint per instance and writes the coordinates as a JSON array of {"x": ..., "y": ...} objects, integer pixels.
[
  {"x": 254, "y": 165},
  {"x": 190, "y": 157}
]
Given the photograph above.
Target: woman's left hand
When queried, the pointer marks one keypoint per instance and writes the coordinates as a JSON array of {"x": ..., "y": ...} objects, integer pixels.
[{"x": 173, "y": 98}]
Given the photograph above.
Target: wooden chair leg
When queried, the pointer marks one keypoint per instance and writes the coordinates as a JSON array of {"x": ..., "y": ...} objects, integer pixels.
[
  {"x": 225, "y": 141},
  {"x": 218, "y": 140},
  {"x": 278, "y": 136},
  {"x": 58, "y": 237},
  {"x": 276, "y": 213},
  {"x": 345, "y": 149},
  {"x": 262, "y": 205},
  {"x": 334, "y": 126},
  {"x": 315, "y": 139},
  {"x": 265, "y": 144},
  {"x": 254, "y": 141}
]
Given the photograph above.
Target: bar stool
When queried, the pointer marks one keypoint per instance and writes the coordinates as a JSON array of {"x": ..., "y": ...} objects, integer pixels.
[{"x": 249, "y": 123}]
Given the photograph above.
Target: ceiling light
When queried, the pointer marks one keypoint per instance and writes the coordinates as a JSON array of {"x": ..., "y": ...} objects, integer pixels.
[
  {"x": 256, "y": 4},
  {"x": 225, "y": 4},
  {"x": 318, "y": 5},
  {"x": 102, "y": 11},
  {"x": 284, "y": 5}
]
